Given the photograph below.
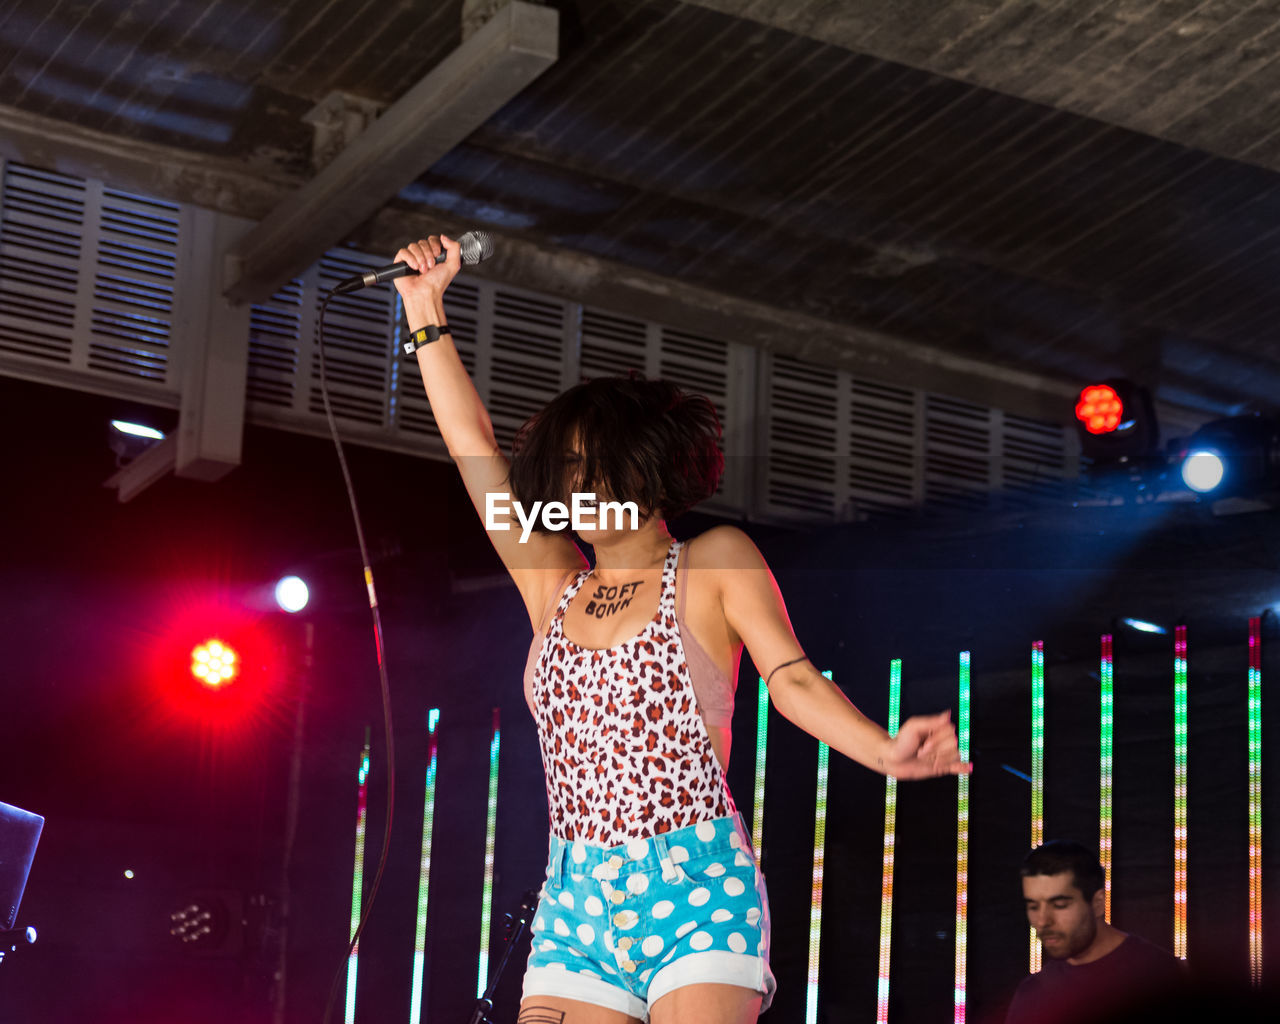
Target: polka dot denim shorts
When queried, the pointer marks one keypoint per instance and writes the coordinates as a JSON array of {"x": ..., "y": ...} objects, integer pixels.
[{"x": 622, "y": 926}]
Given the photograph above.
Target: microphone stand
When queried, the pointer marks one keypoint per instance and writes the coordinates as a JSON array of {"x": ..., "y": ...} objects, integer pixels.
[{"x": 515, "y": 927}]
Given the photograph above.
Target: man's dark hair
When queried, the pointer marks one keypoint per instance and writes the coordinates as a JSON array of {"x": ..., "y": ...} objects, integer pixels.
[
  {"x": 640, "y": 440},
  {"x": 1059, "y": 855}
]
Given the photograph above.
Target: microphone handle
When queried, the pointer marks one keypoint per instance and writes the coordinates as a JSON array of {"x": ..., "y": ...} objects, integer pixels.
[
  {"x": 474, "y": 247},
  {"x": 371, "y": 277}
]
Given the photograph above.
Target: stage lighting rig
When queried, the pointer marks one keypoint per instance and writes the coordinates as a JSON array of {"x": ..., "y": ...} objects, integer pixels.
[
  {"x": 196, "y": 923},
  {"x": 1116, "y": 421},
  {"x": 129, "y": 439},
  {"x": 210, "y": 923},
  {"x": 1238, "y": 457}
]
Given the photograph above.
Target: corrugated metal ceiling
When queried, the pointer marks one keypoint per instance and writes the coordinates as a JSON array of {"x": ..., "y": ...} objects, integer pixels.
[{"x": 766, "y": 164}]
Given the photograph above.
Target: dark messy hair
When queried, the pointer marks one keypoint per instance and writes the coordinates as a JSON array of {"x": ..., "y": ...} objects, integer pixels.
[
  {"x": 1059, "y": 855},
  {"x": 640, "y": 440}
]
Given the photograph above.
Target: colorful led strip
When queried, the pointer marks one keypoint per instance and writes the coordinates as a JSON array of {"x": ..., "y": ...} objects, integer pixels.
[
  {"x": 890, "y": 839},
  {"x": 962, "y": 848},
  {"x": 486, "y": 914},
  {"x": 1037, "y": 768},
  {"x": 424, "y": 873},
  {"x": 1107, "y": 722},
  {"x": 815, "y": 897},
  {"x": 762, "y": 744},
  {"x": 357, "y": 882},
  {"x": 1255, "y": 801},
  {"x": 1180, "y": 792}
]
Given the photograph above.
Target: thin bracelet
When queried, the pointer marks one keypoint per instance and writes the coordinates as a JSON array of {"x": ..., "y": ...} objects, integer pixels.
[
  {"x": 784, "y": 665},
  {"x": 424, "y": 336}
]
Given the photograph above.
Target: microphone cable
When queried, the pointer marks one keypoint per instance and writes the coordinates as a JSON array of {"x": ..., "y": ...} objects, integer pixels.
[
  {"x": 381, "y": 653},
  {"x": 475, "y": 246}
]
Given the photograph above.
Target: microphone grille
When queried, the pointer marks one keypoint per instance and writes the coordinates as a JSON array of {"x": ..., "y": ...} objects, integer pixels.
[{"x": 476, "y": 246}]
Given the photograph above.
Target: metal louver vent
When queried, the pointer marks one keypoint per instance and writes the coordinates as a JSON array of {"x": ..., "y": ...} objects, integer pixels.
[
  {"x": 275, "y": 327},
  {"x": 840, "y": 447},
  {"x": 957, "y": 455},
  {"x": 706, "y": 366},
  {"x": 697, "y": 364},
  {"x": 1034, "y": 457},
  {"x": 528, "y": 358},
  {"x": 883, "y": 448},
  {"x": 358, "y": 343},
  {"x": 88, "y": 283},
  {"x": 41, "y": 231},
  {"x": 93, "y": 281},
  {"x": 283, "y": 380},
  {"x": 612, "y": 346},
  {"x": 134, "y": 280},
  {"x": 803, "y": 441}
]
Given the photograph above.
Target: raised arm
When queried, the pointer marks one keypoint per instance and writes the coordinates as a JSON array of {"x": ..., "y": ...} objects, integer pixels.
[
  {"x": 537, "y": 565},
  {"x": 756, "y": 615}
]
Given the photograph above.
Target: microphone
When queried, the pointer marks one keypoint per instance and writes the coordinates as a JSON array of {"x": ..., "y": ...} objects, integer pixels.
[{"x": 476, "y": 246}]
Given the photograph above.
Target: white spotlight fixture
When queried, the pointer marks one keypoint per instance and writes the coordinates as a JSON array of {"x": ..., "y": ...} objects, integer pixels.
[
  {"x": 1144, "y": 627},
  {"x": 291, "y": 594},
  {"x": 1203, "y": 470},
  {"x": 137, "y": 430},
  {"x": 1238, "y": 457},
  {"x": 129, "y": 440}
]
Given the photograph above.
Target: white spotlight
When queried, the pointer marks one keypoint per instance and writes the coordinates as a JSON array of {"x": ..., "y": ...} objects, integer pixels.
[
  {"x": 1144, "y": 627},
  {"x": 291, "y": 594},
  {"x": 1203, "y": 470},
  {"x": 137, "y": 430}
]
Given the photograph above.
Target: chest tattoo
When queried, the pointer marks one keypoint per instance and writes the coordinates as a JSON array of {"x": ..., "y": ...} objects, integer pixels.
[{"x": 607, "y": 601}]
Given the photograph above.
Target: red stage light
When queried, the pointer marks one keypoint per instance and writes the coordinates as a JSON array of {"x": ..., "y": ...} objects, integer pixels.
[
  {"x": 1099, "y": 409},
  {"x": 214, "y": 663}
]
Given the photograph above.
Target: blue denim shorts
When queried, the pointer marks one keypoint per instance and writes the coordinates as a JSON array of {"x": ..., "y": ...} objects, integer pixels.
[{"x": 622, "y": 926}]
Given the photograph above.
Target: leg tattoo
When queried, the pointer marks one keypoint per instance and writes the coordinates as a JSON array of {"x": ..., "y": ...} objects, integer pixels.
[{"x": 540, "y": 1015}]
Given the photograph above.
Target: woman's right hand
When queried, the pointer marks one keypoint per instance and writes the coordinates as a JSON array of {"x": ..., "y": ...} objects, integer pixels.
[{"x": 436, "y": 259}]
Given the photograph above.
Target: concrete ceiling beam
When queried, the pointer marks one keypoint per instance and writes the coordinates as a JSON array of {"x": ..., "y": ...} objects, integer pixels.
[{"x": 518, "y": 43}]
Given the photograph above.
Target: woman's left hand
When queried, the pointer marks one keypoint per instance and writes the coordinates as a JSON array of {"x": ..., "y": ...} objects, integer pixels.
[{"x": 925, "y": 746}]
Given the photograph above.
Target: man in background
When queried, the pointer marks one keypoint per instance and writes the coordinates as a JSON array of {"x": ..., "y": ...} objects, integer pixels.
[{"x": 1090, "y": 968}]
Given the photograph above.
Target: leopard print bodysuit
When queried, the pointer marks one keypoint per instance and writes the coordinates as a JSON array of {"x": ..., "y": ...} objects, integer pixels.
[{"x": 625, "y": 750}]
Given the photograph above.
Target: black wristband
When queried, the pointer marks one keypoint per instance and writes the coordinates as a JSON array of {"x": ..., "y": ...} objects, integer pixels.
[{"x": 424, "y": 336}]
